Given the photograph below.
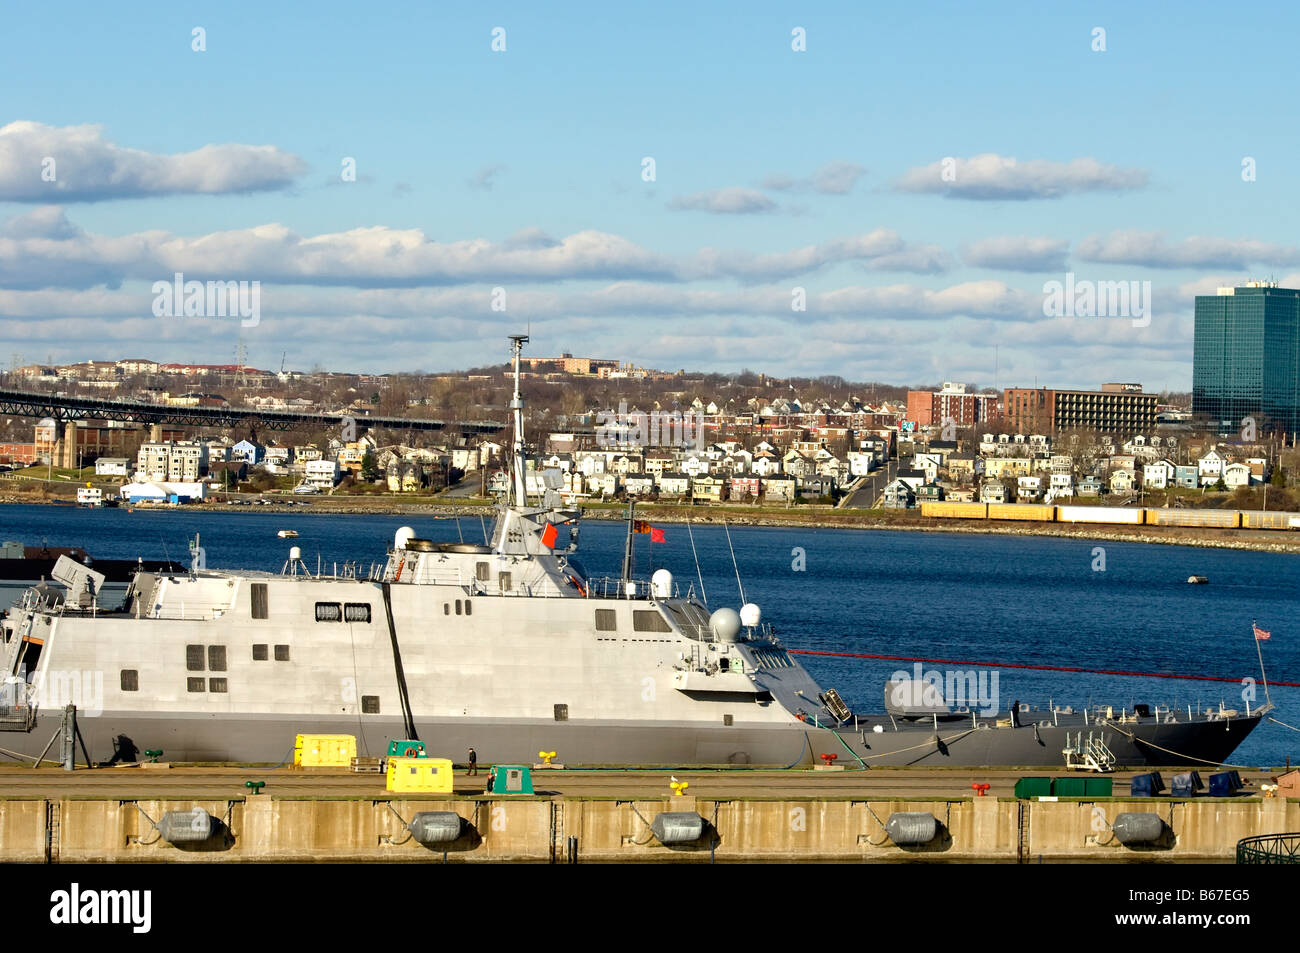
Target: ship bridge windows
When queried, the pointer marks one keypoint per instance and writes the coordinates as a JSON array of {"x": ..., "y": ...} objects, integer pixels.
[
  {"x": 130, "y": 680},
  {"x": 258, "y": 599},
  {"x": 356, "y": 612},
  {"x": 217, "y": 658},
  {"x": 649, "y": 620},
  {"x": 370, "y": 704},
  {"x": 482, "y": 571},
  {"x": 194, "y": 658},
  {"x": 606, "y": 620},
  {"x": 260, "y": 653},
  {"x": 282, "y": 653}
]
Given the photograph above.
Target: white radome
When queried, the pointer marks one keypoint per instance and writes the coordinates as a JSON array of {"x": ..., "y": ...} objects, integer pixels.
[
  {"x": 295, "y": 552},
  {"x": 725, "y": 624},
  {"x": 662, "y": 582},
  {"x": 403, "y": 535},
  {"x": 750, "y": 615}
]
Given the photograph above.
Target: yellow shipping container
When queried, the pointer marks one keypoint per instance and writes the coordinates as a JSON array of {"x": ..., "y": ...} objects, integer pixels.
[
  {"x": 1269, "y": 519},
  {"x": 970, "y": 511},
  {"x": 324, "y": 751},
  {"x": 1022, "y": 511},
  {"x": 420, "y": 774},
  {"x": 1193, "y": 517}
]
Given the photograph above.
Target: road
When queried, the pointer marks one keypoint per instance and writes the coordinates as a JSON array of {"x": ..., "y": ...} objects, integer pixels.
[{"x": 869, "y": 490}]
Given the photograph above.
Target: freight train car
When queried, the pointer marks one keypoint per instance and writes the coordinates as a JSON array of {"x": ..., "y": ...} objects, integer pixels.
[
  {"x": 969, "y": 511},
  {"x": 1131, "y": 516},
  {"x": 1228, "y": 519},
  {"x": 1038, "y": 512},
  {"x": 1269, "y": 519}
]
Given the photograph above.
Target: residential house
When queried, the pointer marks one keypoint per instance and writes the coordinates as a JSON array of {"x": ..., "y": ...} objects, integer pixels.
[
  {"x": 779, "y": 489},
  {"x": 708, "y": 489},
  {"x": 322, "y": 474},
  {"x": 993, "y": 492},
  {"x": 1235, "y": 475},
  {"x": 405, "y": 477},
  {"x": 673, "y": 484},
  {"x": 1029, "y": 488},
  {"x": 1122, "y": 481},
  {"x": 899, "y": 495},
  {"x": 1090, "y": 486},
  {"x": 111, "y": 466},
  {"x": 604, "y": 485},
  {"x": 1187, "y": 476},
  {"x": 1210, "y": 467},
  {"x": 745, "y": 488},
  {"x": 638, "y": 484},
  {"x": 251, "y": 453},
  {"x": 930, "y": 493},
  {"x": 1158, "y": 475}
]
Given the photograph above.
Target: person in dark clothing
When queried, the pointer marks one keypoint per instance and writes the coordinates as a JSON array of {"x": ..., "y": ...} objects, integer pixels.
[
  {"x": 473, "y": 761},
  {"x": 1015, "y": 714}
]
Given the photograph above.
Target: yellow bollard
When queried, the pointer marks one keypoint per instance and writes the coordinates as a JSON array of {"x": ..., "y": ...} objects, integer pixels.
[
  {"x": 679, "y": 787},
  {"x": 546, "y": 756}
]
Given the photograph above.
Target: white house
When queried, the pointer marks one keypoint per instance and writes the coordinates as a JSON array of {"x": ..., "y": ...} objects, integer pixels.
[
  {"x": 1211, "y": 467},
  {"x": 111, "y": 466},
  {"x": 321, "y": 473},
  {"x": 1158, "y": 475},
  {"x": 1235, "y": 475}
]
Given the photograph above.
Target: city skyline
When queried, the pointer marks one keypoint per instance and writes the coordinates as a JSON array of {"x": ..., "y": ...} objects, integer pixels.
[{"x": 389, "y": 186}]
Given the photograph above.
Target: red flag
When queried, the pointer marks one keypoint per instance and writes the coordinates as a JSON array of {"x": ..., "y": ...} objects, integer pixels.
[
  {"x": 549, "y": 534},
  {"x": 657, "y": 536},
  {"x": 1260, "y": 634}
]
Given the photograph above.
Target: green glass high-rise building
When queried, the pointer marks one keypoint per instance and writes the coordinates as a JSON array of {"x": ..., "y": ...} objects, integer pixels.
[{"x": 1246, "y": 357}]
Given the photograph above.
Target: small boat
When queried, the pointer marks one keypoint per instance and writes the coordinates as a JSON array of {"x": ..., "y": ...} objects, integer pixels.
[
  {"x": 1197, "y": 580},
  {"x": 288, "y": 534}
]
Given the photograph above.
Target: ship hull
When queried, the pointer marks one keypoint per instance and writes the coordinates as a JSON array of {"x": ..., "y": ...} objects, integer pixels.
[{"x": 257, "y": 739}]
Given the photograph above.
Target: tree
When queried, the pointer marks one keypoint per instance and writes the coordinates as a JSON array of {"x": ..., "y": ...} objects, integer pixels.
[
  {"x": 1220, "y": 486},
  {"x": 1279, "y": 476},
  {"x": 368, "y": 469}
]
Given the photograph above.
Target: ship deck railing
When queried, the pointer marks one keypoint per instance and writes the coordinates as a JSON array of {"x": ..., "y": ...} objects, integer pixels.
[{"x": 1269, "y": 849}]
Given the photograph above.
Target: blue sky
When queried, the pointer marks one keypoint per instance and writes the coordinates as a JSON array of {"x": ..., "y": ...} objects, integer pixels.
[{"x": 774, "y": 170}]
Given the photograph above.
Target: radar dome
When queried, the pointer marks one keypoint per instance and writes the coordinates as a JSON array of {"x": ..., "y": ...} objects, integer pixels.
[
  {"x": 295, "y": 552},
  {"x": 750, "y": 615},
  {"x": 404, "y": 535},
  {"x": 662, "y": 581},
  {"x": 725, "y": 624}
]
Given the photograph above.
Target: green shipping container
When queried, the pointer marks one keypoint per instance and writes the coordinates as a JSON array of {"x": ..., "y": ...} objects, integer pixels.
[{"x": 1034, "y": 787}]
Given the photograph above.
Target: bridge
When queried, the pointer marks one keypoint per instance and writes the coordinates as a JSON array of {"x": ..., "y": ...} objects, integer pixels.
[{"x": 68, "y": 410}]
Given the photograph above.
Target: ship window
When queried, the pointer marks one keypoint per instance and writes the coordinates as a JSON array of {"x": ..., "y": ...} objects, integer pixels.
[
  {"x": 482, "y": 572},
  {"x": 728, "y": 720},
  {"x": 504, "y": 579},
  {"x": 257, "y": 592},
  {"x": 217, "y": 658},
  {"x": 194, "y": 658},
  {"x": 606, "y": 620},
  {"x": 282, "y": 653},
  {"x": 469, "y": 607},
  {"x": 195, "y": 684},
  {"x": 561, "y": 712},
  {"x": 130, "y": 680},
  {"x": 457, "y": 607},
  {"x": 370, "y": 704},
  {"x": 216, "y": 685},
  {"x": 648, "y": 620},
  {"x": 259, "y": 652},
  {"x": 329, "y": 612},
  {"x": 356, "y": 612}
]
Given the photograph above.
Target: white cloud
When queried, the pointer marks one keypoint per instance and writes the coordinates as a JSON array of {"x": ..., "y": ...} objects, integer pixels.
[
  {"x": 1153, "y": 250},
  {"x": 86, "y": 167},
  {"x": 990, "y": 176},
  {"x": 1017, "y": 253},
  {"x": 734, "y": 200},
  {"x": 43, "y": 249}
]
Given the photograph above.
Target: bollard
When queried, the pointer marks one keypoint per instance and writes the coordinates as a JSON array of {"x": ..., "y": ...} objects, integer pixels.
[{"x": 255, "y": 786}]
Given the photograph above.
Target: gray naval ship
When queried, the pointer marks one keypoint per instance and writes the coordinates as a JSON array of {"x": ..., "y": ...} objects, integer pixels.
[{"x": 510, "y": 647}]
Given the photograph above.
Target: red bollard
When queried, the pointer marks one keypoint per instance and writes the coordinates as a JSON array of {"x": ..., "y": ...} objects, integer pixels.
[{"x": 979, "y": 789}]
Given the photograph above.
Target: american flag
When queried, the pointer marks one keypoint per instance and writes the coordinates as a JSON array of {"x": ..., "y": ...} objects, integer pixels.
[{"x": 1261, "y": 635}]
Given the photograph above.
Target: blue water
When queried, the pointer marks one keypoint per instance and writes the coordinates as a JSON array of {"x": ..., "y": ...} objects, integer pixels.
[{"x": 1003, "y": 599}]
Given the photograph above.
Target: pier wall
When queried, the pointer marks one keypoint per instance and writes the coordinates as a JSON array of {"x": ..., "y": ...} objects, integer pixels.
[{"x": 539, "y": 829}]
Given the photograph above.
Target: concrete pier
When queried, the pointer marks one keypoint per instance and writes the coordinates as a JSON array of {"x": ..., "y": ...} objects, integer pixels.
[{"x": 109, "y": 815}]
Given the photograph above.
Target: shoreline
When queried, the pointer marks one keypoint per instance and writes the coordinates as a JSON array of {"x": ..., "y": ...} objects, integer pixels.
[{"x": 1270, "y": 541}]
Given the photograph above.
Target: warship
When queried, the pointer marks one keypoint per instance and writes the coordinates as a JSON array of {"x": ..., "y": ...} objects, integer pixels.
[{"x": 510, "y": 647}]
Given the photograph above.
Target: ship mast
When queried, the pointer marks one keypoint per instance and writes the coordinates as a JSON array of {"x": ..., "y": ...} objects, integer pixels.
[{"x": 517, "y": 342}]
